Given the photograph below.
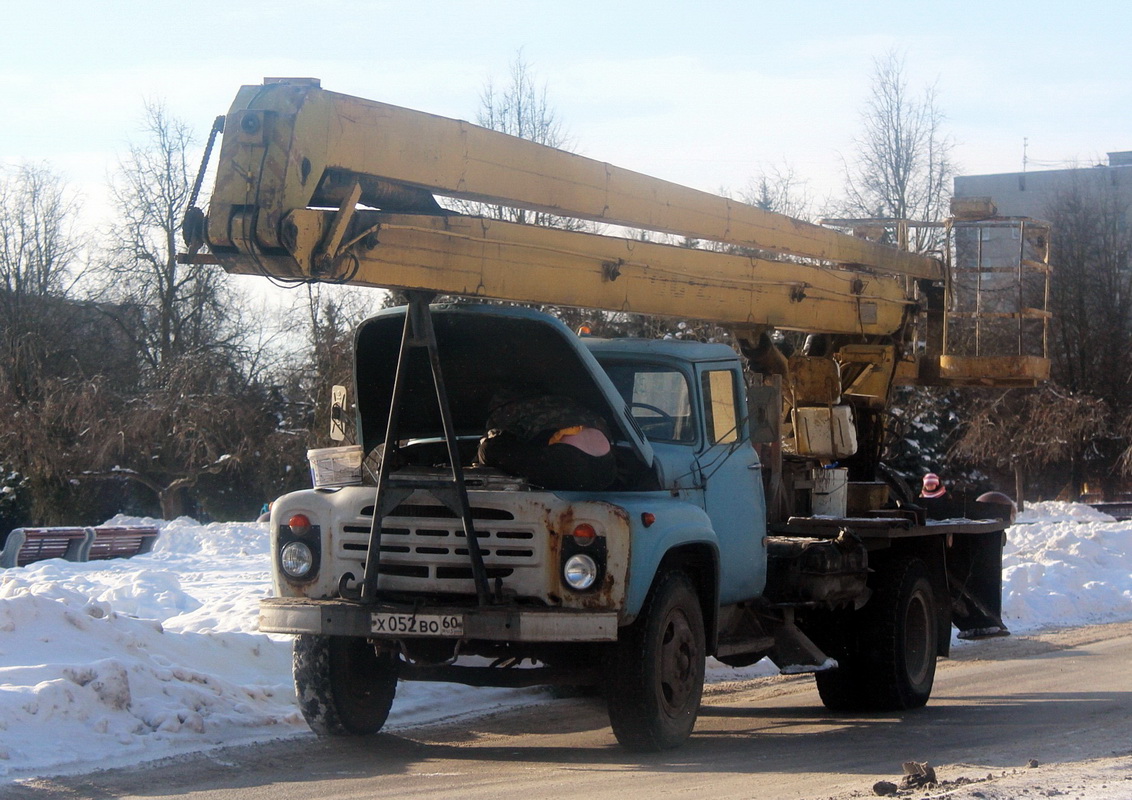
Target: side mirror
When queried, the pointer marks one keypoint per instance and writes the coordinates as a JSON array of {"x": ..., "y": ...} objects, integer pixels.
[
  {"x": 337, "y": 413},
  {"x": 764, "y": 408}
]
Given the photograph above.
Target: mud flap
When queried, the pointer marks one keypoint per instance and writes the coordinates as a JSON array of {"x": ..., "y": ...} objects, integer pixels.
[{"x": 974, "y": 576}]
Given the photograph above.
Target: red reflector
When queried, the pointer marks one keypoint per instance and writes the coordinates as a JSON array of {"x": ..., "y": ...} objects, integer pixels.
[
  {"x": 584, "y": 533},
  {"x": 648, "y": 518},
  {"x": 299, "y": 524}
]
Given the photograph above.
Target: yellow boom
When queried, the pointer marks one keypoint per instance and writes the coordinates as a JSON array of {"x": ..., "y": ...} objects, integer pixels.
[{"x": 314, "y": 185}]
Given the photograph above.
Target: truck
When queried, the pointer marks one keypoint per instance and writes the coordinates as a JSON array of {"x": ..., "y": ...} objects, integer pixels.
[{"x": 749, "y": 512}]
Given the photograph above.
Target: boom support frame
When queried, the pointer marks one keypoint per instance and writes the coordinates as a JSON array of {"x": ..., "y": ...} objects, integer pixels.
[{"x": 417, "y": 333}]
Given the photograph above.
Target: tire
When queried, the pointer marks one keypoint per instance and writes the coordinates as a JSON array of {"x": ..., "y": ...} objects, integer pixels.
[
  {"x": 887, "y": 652},
  {"x": 345, "y": 687},
  {"x": 656, "y": 672}
]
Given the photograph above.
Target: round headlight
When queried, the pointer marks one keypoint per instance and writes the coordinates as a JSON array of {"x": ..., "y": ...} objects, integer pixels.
[
  {"x": 296, "y": 559},
  {"x": 580, "y": 572}
]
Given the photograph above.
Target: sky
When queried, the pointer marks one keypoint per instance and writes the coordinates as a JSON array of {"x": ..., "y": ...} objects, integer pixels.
[
  {"x": 112, "y": 663},
  {"x": 705, "y": 94}
]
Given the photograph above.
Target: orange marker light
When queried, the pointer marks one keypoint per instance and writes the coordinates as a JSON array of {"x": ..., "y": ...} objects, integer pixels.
[
  {"x": 647, "y": 518},
  {"x": 299, "y": 524},
  {"x": 584, "y": 534}
]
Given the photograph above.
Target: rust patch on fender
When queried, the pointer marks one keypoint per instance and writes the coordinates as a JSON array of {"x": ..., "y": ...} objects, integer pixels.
[{"x": 612, "y": 524}]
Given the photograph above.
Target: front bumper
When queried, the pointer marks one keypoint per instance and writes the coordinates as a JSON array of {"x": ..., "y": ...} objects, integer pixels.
[{"x": 491, "y": 623}]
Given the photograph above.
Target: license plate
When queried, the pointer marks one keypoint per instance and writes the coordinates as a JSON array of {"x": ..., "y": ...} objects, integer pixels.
[{"x": 418, "y": 624}]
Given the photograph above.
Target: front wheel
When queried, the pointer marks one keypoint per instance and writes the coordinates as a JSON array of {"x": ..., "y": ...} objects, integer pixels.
[
  {"x": 345, "y": 687},
  {"x": 656, "y": 673},
  {"x": 887, "y": 651}
]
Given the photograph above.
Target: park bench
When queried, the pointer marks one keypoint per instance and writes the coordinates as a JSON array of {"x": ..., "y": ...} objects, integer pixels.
[
  {"x": 121, "y": 542},
  {"x": 27, "y": 545}
]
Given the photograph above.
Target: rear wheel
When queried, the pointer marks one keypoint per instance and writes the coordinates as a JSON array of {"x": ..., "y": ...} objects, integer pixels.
[
  {"x": 887, "y": 651},
  {"x": 656, "y": 673},
  {"x": 345, "y": 686}
]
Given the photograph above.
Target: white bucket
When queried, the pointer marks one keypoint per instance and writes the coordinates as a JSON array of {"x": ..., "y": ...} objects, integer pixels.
[{"x": 830, "y": 492}]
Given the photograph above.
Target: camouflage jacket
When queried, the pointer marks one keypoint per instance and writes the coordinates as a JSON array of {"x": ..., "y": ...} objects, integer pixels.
[{"x": 532, "y": 419}]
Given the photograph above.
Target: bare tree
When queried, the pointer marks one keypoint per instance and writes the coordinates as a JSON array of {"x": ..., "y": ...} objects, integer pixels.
[
  {"x": 85, "y": 436},
  {"x": 39, "y": 251},
  {"x": 1027, "y": 430},
  {"x": 1091, "y": 300},
  {"x": 903, "y": 160},
  {"x": 901, "y": 169},
  {"x": 37, "y": 242},
  {"x": 779, "y": 189},
  {"x": 166, "y": 439},
  {"x": 522, "y": 108},
  {"x": 1091, "y": 289},
  {"x": 170, "y": 310},
  {"x": 43, "y": 431},
  {"x": 333, "y": 316},
  {"x": 38, "y": 254},
  {"x": 156, "y": 387},
  {"x": 201, "y": 405}
]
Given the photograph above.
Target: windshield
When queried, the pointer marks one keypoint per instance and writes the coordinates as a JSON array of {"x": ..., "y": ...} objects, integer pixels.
[{"x": 658, "y": 399}]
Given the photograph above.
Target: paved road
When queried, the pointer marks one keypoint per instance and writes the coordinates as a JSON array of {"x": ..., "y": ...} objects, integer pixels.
[{"x": 1059, "y": 697}]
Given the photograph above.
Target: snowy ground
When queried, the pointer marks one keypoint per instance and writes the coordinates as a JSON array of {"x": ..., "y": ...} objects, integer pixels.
[{"x": 117, "y": 662}]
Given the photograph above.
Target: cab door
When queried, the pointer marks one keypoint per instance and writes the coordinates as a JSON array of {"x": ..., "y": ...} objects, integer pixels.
[{"x": 730, "y": 473}]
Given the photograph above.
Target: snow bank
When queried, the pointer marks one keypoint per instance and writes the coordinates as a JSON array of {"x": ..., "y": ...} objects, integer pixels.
[
  {"x": 1066, "y": 564},
  {"x": 1055, "y": 511},
  {"x": 117, "y": 662},
  {"x": 113, "y": 662}
]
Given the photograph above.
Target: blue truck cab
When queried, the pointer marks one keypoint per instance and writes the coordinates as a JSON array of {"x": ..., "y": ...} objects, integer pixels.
[{"x": 689, "y": 400}]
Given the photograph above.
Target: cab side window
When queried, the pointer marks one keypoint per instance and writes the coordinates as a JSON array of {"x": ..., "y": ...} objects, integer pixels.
[{"x": 720, "y": 406}]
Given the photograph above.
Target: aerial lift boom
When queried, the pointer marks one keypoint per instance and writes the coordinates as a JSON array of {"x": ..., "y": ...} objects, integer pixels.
[{"x": 315, "y": 185}]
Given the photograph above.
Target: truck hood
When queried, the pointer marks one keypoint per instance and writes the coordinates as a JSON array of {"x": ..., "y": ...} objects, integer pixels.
[{"x": 483, "y": 350}]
